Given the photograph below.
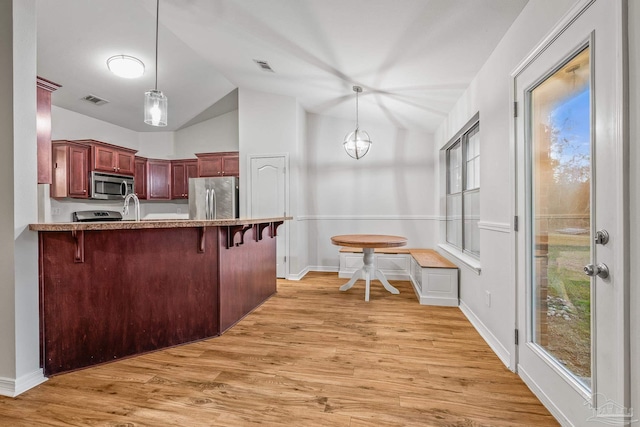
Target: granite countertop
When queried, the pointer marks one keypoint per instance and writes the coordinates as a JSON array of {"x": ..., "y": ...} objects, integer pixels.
[{"x": 156, "y": 223}]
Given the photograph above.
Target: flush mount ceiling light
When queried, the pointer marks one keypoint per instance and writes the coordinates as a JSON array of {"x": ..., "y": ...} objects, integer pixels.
[
  {"x": 125, "y": 66},
  {"x": 155, "y": 103},
  {"x": 357, "y": 143}
]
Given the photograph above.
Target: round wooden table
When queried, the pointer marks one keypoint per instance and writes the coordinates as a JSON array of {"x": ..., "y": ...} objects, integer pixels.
[{"x": 368, "y": 242}]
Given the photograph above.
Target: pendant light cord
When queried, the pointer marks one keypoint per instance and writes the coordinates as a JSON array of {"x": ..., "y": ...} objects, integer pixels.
[
  {"x": 157, "y": 20},
  {"x": 357, "y": 122}
]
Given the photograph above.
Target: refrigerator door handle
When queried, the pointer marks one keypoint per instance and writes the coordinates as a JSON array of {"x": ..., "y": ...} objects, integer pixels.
[
  {"x": 214, "y": 208},
  {"x": 206, "y": 206}
]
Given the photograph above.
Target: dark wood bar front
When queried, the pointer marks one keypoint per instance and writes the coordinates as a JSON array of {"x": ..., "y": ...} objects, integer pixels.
[{"x": 116, "y": 292}]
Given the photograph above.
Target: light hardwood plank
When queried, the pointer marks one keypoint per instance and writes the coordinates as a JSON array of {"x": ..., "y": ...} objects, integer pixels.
[{"x": 309, "y": 356}]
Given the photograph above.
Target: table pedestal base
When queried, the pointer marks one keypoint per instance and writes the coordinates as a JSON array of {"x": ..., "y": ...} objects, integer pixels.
[{"x": 366, "y": 273}]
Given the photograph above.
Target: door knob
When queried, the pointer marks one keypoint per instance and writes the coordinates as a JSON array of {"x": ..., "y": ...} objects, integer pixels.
[{"x": 600, "y": 270}]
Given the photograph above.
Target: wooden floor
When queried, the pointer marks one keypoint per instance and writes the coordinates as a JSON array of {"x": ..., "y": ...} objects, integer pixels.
[{"x": 310, "y": 356}]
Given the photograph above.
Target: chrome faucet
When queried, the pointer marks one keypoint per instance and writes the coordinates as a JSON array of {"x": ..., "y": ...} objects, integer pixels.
[{"x": 125, "y": 210}]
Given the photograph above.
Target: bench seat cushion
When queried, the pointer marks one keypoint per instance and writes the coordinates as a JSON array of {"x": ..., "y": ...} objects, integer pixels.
[{"x": 428, "y": 258}]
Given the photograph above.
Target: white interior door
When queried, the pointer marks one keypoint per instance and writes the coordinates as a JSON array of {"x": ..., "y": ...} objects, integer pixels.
[
  {"x": 269, "y": 199},
  {"x": 570, "y": 187}
]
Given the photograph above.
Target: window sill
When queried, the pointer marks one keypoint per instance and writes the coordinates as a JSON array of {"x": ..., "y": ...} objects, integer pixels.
[{"x": 467, "y": 260}]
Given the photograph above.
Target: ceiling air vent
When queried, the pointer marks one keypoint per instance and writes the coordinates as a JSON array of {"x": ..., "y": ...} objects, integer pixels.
[
  {"x": 264, "y": 65},
  {"x": 95, "y": 100}
]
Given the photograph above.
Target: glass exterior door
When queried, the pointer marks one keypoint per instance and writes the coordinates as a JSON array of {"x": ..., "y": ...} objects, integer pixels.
[{"x": 571, "y": 330}]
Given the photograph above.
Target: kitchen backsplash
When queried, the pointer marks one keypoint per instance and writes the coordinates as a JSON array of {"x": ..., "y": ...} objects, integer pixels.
[{"x": 62, "y": 210}]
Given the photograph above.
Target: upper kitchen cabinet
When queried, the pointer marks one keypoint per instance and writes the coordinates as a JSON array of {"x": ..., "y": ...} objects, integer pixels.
[
  {"x": 43, "y": 124},
  {"x": 111, "y": 158},
  {"x": 70, "y": 170},
  {"x": 218, "y": 164},
  {"x": 140, "y": 177},
  {"x": 158, "y": 179},
  {"x": 181, "y": 171}
]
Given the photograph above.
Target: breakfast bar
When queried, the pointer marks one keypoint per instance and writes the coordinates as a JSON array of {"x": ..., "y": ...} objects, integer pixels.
[{"x": 115, "y": 289}]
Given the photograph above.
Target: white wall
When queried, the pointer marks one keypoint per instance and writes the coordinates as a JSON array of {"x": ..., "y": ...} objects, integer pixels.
[
  {"x": 268, "y": 124},
  {"x": 389, "y": 191},
  {"x": 19, "y": 326},
  {"x": 67, "y": 124},
  {"x": 634, "y": 212},
  {"x": 156, "y": 145},
  {"x": 489, "y": 95},
  {"x": 7, "y": 277},
  {"x": 299, "y": 247},
  {"x": 217, "y": 134}
]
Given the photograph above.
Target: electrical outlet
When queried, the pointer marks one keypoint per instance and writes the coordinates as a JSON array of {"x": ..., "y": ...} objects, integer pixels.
[
  {"x": 487, "y": 298},
  {"x": 55, "y": 211}
]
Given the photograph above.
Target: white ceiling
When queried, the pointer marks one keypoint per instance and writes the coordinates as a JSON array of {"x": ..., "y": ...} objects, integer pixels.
[{"x": 414, "y": 58}]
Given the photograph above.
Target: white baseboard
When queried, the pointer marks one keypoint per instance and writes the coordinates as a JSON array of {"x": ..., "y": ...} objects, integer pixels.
[
  {"x": 502, "y": 353},
  {"x": 13, "y": 387},
  {"x": 322, "y": 268},
  {"x": 390, "y": 276},
  {"x": 544, "y": 399},
  {"x": 300, "y": 275},
  {"x": 309, "y": 268}
]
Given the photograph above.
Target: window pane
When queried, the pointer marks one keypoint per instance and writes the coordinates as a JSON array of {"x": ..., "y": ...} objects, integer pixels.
[
  {"x": 473, "y": 159},
  {"x": 471, "y": 219},
  {"x": 454, "y": 219},
  {"x": 454, "y": 169}
]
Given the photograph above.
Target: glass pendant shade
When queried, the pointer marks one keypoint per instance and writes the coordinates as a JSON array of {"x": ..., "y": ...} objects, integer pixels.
[
  {"x": 357, "y": 144},
  {"x": 155, "y": 108}
]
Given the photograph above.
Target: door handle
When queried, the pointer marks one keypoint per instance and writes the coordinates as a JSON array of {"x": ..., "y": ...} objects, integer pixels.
[{"x": 600, "y": 270}]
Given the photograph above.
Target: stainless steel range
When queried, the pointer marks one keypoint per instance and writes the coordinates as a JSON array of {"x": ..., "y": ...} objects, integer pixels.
[{"x": 93, "y": 216}]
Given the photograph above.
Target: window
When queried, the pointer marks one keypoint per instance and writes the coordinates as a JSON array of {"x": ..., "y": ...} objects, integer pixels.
[{"x": 463, "y": 189}]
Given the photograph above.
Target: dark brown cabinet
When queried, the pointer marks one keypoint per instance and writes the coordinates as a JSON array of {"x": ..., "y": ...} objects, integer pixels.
[
  {"x": 111, "y": 158},
  {"x": 70, "y": 176},
  {"x": 158, "y": 179},
  {"x": 218, "y": 164},
  {"x": 43, "y": 128},
  {"x": 140, "y": 177},
  {"x": 231, "y": 165},
  {"x": 181, "y": 171}
]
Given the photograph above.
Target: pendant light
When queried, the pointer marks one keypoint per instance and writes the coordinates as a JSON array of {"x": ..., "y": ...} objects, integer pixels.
[
  {"x": 357, "y": 143},
  {"x": 155, "y": 103}
]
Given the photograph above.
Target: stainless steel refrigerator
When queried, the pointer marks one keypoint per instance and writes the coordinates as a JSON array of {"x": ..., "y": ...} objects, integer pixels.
[{"x": 213, "y": 198}]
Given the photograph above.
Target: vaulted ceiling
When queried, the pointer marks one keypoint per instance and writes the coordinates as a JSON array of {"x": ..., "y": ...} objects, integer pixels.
[{"x": 414, "y": 58}]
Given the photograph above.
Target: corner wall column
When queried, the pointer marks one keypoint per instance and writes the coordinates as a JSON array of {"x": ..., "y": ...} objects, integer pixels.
[{"x": 19, "y": 329}]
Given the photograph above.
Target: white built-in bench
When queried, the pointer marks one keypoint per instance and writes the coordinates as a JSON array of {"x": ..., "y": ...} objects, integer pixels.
[{"x": 434, "y": 278}]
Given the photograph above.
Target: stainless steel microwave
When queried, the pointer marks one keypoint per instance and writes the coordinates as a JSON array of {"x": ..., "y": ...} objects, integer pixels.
[{"x": 109, "y": 186}]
